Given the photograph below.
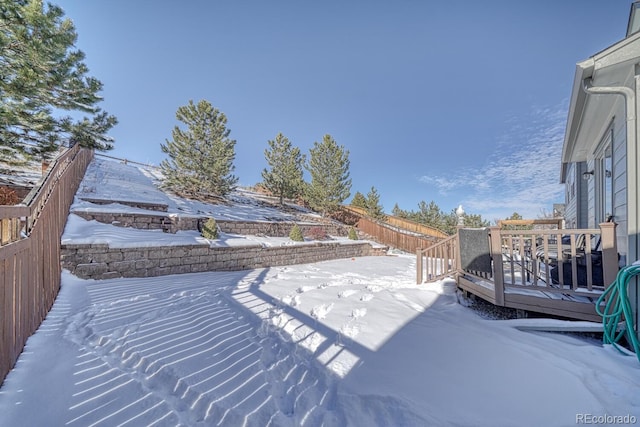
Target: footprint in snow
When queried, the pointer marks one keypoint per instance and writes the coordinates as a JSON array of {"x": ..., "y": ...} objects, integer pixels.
[
  {"x": 291, "y": 300},
  {"x": 350, "y": 331},
  {"x": 346, "y": 293},
  {"x": 374, "y": 288},
  {"x": 358, "y": 312},
  {"x": 366, "y": 297},
  {"x": 321, "y": 311}
]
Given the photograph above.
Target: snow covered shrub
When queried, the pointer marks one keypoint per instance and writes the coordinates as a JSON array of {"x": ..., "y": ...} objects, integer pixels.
[
  {"x": 317, "y": 233},
  {"x": 296, "y": 234},
  {"x": 210, "y": 229},
  {"x": 352, "y": 234}
]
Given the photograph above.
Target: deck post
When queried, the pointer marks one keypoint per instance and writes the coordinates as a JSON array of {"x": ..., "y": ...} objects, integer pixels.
[
  {"x": 496, "y": 256},
  {"x": 419, "y": 266},
  {"x": 456, "y": 249},
  {"x": 609, "y": 246}
]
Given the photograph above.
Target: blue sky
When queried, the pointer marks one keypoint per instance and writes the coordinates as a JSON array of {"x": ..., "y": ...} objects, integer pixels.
[{"x": 460, "y": 102}]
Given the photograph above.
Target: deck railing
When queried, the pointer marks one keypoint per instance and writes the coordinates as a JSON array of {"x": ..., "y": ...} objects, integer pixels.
[
  {"x": 437, "y": 261},
  {"x": 568, "y": 261},
  {"x": 554, "y": 271},
  {"x": 30, "y": 253}
]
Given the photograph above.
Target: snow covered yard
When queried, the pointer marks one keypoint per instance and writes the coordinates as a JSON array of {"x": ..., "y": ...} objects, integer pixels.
[
  {"x": 345, "y": 342},
  {"x": 352, "y": 342}
]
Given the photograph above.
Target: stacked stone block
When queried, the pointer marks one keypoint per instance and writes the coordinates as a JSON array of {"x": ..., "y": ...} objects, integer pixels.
[
  {"x": 174, "y": 223},
  {"x": 99, "y": 261}
]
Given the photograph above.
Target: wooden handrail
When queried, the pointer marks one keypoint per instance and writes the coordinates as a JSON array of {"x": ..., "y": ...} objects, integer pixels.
[
  {"x": 526, "y": 222},
  {"x": 530, "y": 258},
  {"x": 17, "y": 222},
  {"x": 439, "y": 260}
]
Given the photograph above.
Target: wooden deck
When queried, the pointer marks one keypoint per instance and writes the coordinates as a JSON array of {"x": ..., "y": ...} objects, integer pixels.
[
  {"x": 559, "y": 272},
  {"x": 557, "y": 304}
]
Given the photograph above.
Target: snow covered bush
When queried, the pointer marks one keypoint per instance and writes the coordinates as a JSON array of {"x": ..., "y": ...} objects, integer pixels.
[
  {"x": 296, "y": 234},
  {"x": 210, "y": 229}
]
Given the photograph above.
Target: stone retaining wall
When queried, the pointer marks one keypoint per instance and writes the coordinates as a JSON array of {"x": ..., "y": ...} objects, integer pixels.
[
  {"x": 174, "y": 223},
  {"x": 160, "y": 207},
  {"x": 278, "y": 229},
  {"x": 99, "y": 261}
]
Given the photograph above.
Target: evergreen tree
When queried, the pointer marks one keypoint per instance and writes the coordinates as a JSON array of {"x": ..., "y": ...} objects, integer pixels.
[
  {"x": 353, "y": 234},
  {"x": 449, "y": 222},
  {"x": 400, "y": 213},
  {"x": 200, "y": 156},
  {"x": 430, "y": 214},
  {"x": 296, "y": 234},
  {"x": 475, "y": 221},
  {"x": 359, "y": 201},
  {"x": 329, "y": 168},
  {"x": 284, "y": 178},
  {"x": 374, "y": 208},
  {"x": 40, "y": 70}
]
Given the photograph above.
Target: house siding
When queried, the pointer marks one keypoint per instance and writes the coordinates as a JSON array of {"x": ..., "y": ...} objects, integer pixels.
[
  {"x": 570, "y": 199},
  {"x": 620, "y": 214},
  {"x": 591, "y": 197},
  {"x": 582, "y": 196}
]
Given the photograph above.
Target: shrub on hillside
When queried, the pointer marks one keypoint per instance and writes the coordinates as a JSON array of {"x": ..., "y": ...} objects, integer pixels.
[
  {"x": 317, "y": 233},
  {"x": 352, "y": 234},
  {"x": 210, "y": 229},
  {"x": 8, "y": 196},
  {"x": 296, "y": 234}
]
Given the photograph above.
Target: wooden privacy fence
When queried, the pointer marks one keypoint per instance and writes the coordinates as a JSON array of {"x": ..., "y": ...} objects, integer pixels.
[
  {"x": 397, "y": 222},
  {"x": 393, "y": 237},
  {"x": 30, "y": 253},
  {"x": 416, "y": 227}
]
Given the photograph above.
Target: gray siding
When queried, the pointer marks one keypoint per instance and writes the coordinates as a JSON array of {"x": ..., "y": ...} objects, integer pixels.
[
  {"x": 620, "y": 182},
  {"x": 570, "y": 198}
]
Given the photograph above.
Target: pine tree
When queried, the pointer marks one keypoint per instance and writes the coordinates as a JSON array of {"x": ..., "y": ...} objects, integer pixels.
[
  {"x": 284, "y": 178},
  {"x": 40, "y": 70},
  {"x": 296, "y": 234},
  {"x": 359, "y": 201},
  {"x": 449, "y": 223},
  {"x": 374, "y": 208},
  {"x": 400, "y": 213},
  {"x": 329, "y": 168},
  {"x": 353, "y": 234},
  {"x": 200, "y": 156},
  {"x": 430, "y": 214}
]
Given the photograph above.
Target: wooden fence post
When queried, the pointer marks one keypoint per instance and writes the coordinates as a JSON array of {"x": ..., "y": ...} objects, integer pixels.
[
  {"x": 609, "y": 252},
  {"x": 496, "y": 256},
  {"x": 419, "y": 266}
]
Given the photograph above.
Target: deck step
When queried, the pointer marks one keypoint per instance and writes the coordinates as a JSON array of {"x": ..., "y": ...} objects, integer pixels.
[{"x": 553, "y": 325}]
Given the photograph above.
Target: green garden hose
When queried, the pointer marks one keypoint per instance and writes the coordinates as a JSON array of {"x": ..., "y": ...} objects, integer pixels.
[{"x": 617, "y": 304}]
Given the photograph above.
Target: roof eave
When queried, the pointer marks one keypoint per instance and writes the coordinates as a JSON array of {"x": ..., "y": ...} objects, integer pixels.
[{"x": 584, "y": 70}]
